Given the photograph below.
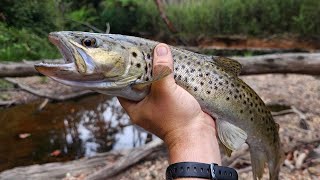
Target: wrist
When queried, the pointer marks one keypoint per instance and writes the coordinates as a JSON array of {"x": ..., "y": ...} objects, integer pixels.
[{"x": 196, "y": 142}]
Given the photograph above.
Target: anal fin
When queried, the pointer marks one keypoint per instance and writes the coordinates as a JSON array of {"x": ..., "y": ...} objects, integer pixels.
[{"x": 231, "y": 136}]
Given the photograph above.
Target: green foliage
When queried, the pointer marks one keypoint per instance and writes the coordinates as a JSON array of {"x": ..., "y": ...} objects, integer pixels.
[
  {"x": 22, "y": 44},
  {"x": 196, "y": 18},
  {"x": 26, "y": 23},
  {"x": 39, "y": 16}
]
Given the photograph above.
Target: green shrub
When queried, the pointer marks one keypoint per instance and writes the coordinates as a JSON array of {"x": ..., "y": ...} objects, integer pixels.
[{"x": 22, "y": 44}]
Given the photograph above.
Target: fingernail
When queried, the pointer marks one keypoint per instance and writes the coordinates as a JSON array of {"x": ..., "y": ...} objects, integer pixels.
[{"x": 162, "y": 51}]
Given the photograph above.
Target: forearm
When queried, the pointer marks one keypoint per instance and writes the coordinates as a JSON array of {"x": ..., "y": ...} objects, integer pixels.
[{"x": 197, "y": 145}]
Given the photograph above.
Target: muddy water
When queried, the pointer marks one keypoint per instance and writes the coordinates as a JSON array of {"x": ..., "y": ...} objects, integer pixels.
[{"x": 64, "y": 131}]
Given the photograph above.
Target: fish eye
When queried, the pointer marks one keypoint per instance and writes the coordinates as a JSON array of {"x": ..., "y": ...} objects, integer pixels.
[{"x": 89, "y": 42}]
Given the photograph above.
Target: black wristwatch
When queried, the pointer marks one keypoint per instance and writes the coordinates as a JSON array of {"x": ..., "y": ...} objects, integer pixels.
[{"x": 200, "y": 170}]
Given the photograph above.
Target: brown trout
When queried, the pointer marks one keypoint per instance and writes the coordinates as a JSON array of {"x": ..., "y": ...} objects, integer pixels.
[{"x": 121, "y": 65}]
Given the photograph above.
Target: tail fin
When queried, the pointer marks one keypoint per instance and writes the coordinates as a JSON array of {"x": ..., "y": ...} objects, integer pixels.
[
  {"x": 274, "y": 164},
  {"x": 258, "y": 160}
]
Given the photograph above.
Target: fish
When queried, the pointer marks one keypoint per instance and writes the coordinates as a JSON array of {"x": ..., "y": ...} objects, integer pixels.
[{"x": 120, "y": 65}]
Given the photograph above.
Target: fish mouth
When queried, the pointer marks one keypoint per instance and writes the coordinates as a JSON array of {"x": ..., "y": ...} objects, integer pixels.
[{"x": 68, "y": 73}]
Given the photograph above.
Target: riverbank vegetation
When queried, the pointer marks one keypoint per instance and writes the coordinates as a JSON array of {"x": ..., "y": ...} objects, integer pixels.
[{"x": 24, "y": 24}]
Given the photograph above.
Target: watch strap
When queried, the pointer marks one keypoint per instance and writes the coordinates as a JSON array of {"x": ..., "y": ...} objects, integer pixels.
[{"x": 200, "y": 170}]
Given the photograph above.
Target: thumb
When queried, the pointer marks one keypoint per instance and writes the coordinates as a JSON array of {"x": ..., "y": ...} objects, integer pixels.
[{"x": 162, "y": 56}]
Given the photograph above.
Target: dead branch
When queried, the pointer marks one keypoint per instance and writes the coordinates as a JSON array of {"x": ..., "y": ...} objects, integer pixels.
[
  {"x": 130, "y": 159},
  {"x": 164, "y": 17},
  {"x": 41, "y": 93},
  {"x": 85, "y": 166},
  {"x": 22, "y": 69},
  {"x": 303, "y": 118},
  {"x": 300, "y": 63}
]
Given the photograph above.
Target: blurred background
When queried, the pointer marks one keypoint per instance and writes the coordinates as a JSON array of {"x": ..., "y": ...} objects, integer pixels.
[
  {"x": 43, "y": 121},
  {"x": 25, "y": 24}
]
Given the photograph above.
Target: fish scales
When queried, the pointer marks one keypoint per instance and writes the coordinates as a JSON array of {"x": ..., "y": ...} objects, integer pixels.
[{"x": 122, "y": 66}]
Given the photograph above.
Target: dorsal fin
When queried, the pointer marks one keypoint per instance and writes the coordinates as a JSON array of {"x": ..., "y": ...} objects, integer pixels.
[{"x": 229, "y": 65}]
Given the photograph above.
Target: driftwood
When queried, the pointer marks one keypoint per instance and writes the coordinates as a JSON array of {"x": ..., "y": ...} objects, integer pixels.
[
  {"x": 300, "y": 63},
  {"x": 84, "y": 166},
  {"x": 130, "y": 159},
  {"x": 23, "y": 69},
  {"x": 43, "y": 94}
]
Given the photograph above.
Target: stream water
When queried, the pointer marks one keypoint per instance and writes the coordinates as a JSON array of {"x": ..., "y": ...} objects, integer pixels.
[{"x": 64, "y": 131}]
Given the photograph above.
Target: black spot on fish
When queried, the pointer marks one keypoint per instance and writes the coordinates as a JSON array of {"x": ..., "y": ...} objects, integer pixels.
[
  {"x": 227, "y": 82},
  {"x": 187, "y": 71},
  {"x": 251, "y": 104},
  {"x": 147, "y": 78},
  {"x": 179, "y": 77},
  {"x": 215, "y": 87},
  {"x": 174, "y": 76},
  {"x": 146, "y": 69},
  {"x": 251, "y": 119},
  {"x": 176, "y": 68},
  {"x": 207, "y": 74},
  {"x": 244, "y": 102},
  {"x": 240, "y": 96},
  {"x": 198, "y": 62},
  {"x": 199, "y": 69},
  {"x": 220, "y": 83},
  {"x": 131, "y": 63},
  {"x": 185, "y": 79},
  {"x": 208, "y": 92},
  {"x": 237, "y": 91},
  {"x": 241, "y": 111},
  {"x": 227, "y": 98},
  {"x": 138, "y": 65},
  {"x": 232, "y": 85},
  {"x": 201, "y": 75},
  {"x": 250, "y": 111},
  {"x": 148, "y": 56},
  {"x": 243, "y": 87},
  {"x": 188, "y": 62},
  {"x": 134, "y": 54},
  {"x": 195, "y": 88},
  {"x": 201, "y": 83},
  {"x": 192, "y": 79},
  {"x": 123, "y": 47},
  {"x": 192, "y": 70},
  {"x": 235, "y": 96},
  {"x": 230, "y": 92},
  {"x": 210, "y": 82},
  {"x": 186, "y": 57}
]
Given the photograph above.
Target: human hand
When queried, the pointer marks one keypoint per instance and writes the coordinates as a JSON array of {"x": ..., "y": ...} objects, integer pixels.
[{"x": 175, "y": 116}]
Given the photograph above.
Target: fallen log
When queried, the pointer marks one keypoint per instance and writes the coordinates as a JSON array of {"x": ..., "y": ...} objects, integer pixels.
[
  {"x": 40, "y": 93},
  {"x": 23, "y": 69},
  {"x": 299, "y": 63},
  {"x": 101, "y": 166}
]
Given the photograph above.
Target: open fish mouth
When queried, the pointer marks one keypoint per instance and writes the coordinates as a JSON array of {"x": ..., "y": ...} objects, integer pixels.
[{"x": 68, "y": 73}]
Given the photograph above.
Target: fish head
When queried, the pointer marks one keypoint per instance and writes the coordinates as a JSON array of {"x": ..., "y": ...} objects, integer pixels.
[{"x": 93, "y": 60}]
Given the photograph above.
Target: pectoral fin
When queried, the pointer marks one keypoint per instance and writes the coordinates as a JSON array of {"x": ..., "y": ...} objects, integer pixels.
[
  {"x": 230, "y": 135},
  {"x": 161, "y": 72}
]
